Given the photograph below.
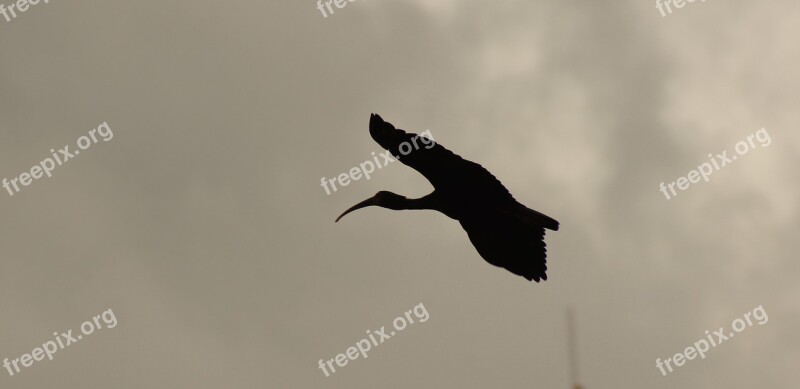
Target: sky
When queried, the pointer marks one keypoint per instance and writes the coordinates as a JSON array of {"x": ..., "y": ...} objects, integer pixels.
[{"x": 200, "y": 225}]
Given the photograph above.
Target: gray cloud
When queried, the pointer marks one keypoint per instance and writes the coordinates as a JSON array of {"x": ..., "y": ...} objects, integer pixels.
[{"x": 203, "y": 226}]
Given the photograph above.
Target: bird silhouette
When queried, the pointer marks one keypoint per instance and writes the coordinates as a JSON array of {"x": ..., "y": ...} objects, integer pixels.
[{"x": 506, "y": 233}]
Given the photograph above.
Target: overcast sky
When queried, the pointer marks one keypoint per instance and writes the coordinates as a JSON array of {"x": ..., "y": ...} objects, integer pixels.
[{"x": 203, "y": 226}]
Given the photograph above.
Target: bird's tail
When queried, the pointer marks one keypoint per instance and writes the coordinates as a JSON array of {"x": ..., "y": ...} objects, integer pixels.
[
  {"x": 532, "y": 217},
  {"x": 550, "y": 223}
]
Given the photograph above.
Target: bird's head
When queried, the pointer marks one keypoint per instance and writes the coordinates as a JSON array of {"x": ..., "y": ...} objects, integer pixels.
[{"x": 382, "y": 199}]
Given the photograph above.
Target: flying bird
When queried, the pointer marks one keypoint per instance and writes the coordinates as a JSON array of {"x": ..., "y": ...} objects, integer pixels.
[{"x": 506, "y": 233}]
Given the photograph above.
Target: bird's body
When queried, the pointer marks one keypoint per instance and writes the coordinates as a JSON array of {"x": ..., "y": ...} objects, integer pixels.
[{"x": 506, "y": 233}]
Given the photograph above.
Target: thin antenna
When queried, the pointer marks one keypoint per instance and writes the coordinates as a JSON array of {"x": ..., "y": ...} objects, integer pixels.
[{"x": 573, "y": 350}]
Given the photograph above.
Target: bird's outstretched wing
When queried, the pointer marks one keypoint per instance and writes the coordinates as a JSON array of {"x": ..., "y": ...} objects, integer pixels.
[
  {"x": 445, "y": 170},
  {"x": 510, "y": 243}
]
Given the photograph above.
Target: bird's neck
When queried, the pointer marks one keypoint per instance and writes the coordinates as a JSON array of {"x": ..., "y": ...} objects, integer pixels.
[
  {"x": 430, "y": 202},
  {"x": 426, "y": 202}
]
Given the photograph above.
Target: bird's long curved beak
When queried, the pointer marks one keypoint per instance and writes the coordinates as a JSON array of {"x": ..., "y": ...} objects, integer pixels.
[{"x": 366, "y": 203}]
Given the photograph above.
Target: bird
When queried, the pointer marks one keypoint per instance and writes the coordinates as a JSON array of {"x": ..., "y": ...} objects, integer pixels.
[{"x": 505, "y": 233}]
